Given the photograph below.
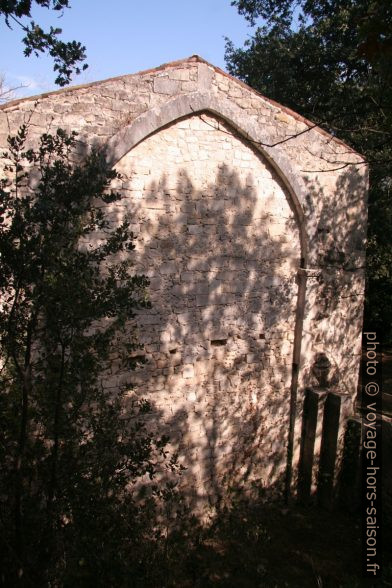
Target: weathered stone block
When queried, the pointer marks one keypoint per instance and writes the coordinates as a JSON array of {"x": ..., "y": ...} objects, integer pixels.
[{"x": 164, "y": 85}]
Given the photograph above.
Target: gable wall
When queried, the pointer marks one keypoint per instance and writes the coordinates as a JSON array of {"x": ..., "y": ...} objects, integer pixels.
[{"x": 180, "y": 179}]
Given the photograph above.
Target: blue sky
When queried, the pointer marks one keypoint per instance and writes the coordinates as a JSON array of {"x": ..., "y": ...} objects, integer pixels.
[{"x": 122, "y": 36}]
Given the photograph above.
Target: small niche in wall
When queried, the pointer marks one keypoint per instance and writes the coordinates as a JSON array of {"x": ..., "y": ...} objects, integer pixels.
[
  {"x": 218, "y": 342},
  {"x": 139, "y": 358}
]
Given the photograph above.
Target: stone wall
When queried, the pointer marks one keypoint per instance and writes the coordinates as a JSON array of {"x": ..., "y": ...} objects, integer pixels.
[
  {"x": 251, "y": 228},
  {"x": 218, "y": 239}
]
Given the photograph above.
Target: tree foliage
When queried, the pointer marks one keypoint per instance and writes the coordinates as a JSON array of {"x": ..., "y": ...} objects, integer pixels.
[
  {"x": 67, "y": 56},
  {"x": 330, "y": 60},
  {"x": 71, "y": 452}
]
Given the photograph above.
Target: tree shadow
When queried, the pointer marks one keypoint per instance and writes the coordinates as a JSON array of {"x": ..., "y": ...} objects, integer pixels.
[
  {"x": 331, "y": 346},
  {"x": 336, "y": 294},
  {"x": 217, "y": 237}
]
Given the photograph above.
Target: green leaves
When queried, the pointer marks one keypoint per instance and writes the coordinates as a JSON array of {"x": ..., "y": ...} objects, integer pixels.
[
  {"x": 73, "y": 446},
  {"x": 67, "y": 56},
  {"x": 330, "y": 60}
]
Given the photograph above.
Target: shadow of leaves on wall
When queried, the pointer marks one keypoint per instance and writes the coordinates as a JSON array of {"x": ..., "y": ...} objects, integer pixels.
[{"x": 218, "y": 240}]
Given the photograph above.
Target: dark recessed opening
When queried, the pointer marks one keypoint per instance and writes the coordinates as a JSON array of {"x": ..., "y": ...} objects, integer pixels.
[
  {"x": 261, "y": 336},
  {"x": 218, "y": 342}
]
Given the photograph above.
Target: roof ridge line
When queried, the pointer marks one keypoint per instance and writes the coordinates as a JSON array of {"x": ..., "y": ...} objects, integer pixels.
[
  {"x": 191, "y": 59},
  {"x": 195, "y": 58}
]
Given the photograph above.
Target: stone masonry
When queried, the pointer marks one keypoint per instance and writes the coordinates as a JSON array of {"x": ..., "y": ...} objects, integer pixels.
[{"x": 250, "y": 225}]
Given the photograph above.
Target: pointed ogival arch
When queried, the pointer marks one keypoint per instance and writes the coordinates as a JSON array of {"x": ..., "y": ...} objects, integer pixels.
[{"x": 196, "y": 102}]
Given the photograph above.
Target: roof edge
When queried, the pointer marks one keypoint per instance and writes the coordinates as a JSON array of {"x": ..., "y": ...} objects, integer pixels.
[
  {"x": 285, "y": 109},
  {"x": 192, "y": 59},
  {"x": 162, "y": 67}
]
